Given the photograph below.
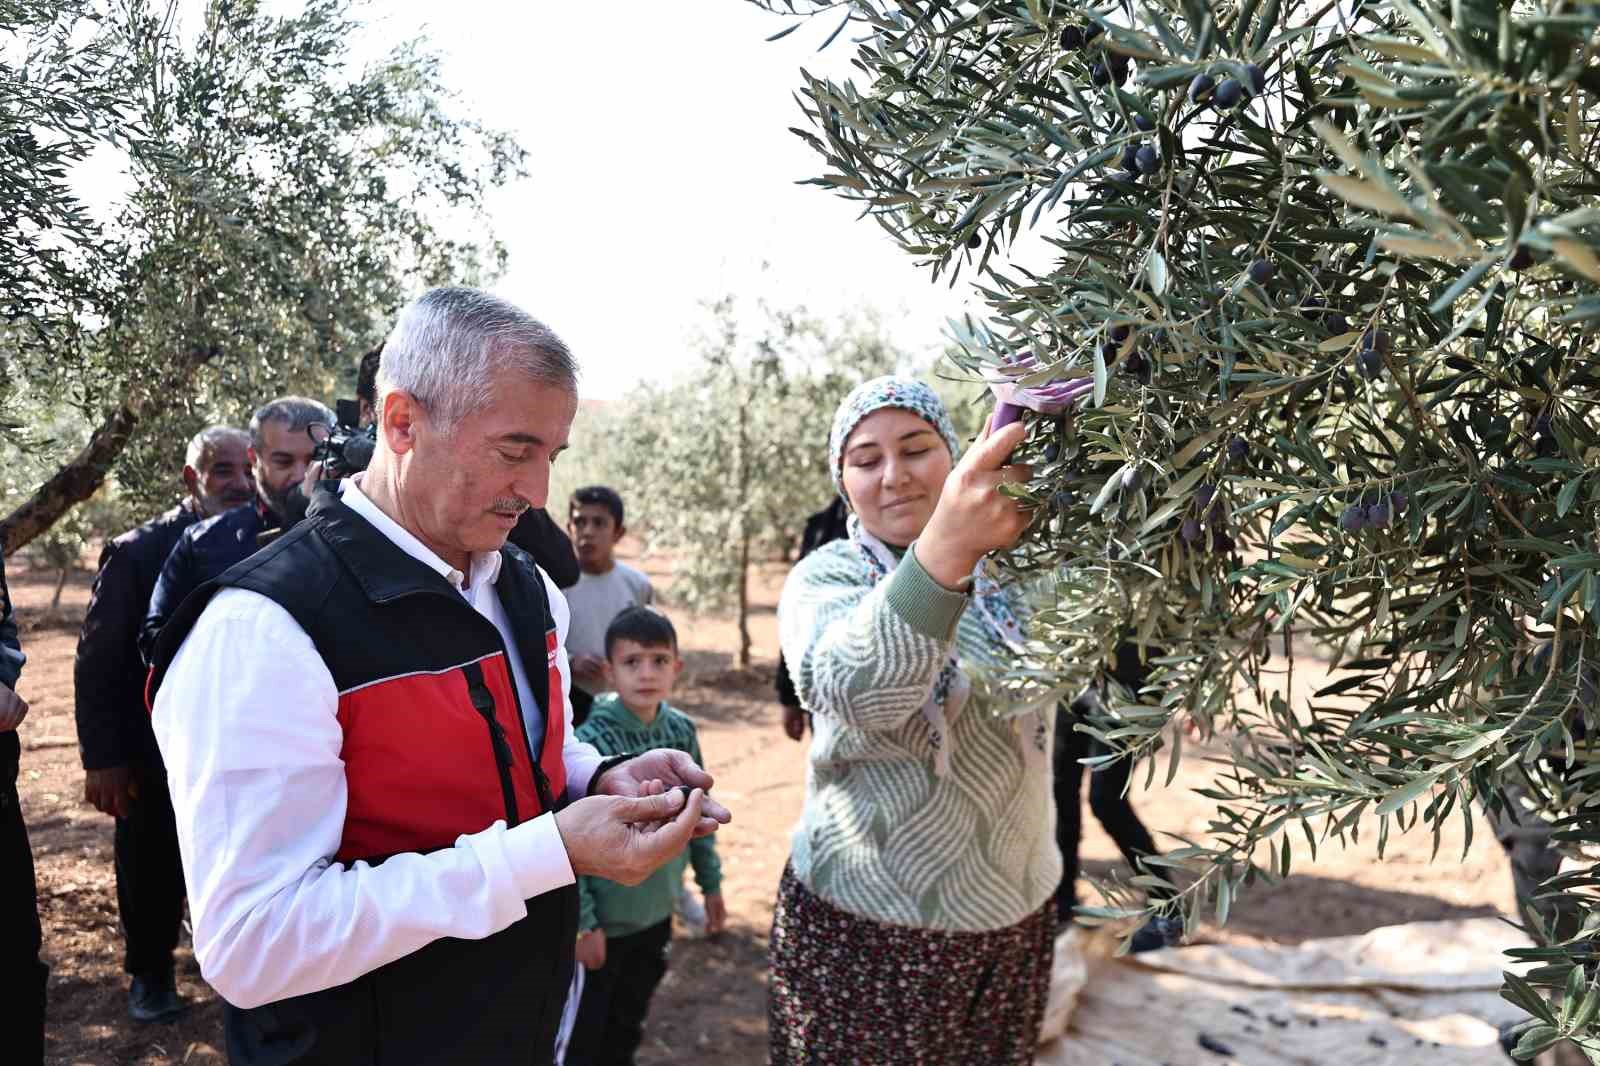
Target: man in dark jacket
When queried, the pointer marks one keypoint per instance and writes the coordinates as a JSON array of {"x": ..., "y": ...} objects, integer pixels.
[
  {"x": 123, "y": 776},
  {"x": 22, "y": 975},
  {"x": 281, "y": 443},
  {"x": 826, "y": 525}
]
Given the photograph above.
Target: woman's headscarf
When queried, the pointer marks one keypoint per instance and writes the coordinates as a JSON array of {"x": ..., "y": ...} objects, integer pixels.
[{"x": 907, "y": 394}]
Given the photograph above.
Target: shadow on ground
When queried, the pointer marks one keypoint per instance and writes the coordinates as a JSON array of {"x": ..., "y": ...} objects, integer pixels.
[{"x": 1344, "y": 908}]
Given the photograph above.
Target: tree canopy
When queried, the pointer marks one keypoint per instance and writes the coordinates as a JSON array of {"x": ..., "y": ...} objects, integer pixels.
[
  {"x": 1332, "y": 269},
  {"x": 280, "y": 206}
]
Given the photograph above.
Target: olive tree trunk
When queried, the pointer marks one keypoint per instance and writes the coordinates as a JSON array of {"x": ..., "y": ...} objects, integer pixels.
[{"x": 75, "y": 482}]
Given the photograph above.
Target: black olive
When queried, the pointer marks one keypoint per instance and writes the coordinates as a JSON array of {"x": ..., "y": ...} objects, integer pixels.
[{"x": 1229, "y": 93}]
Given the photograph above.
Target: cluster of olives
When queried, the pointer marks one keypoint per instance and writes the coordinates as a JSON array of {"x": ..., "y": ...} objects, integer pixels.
[
  {"x": 1315, "y": 309},
  {"x": 1111, "y": 68},
  {"x": 1139, "y": 160},
  {"x": 1193, "y": 531},
  {"x": 1136, "y": 363},
  {"x": 1228, "y": 93},
  {"x": 1356, "y": 517}
]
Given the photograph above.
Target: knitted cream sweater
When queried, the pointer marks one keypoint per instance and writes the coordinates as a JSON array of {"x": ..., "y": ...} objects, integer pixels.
[{"x": 881, "y": 835}]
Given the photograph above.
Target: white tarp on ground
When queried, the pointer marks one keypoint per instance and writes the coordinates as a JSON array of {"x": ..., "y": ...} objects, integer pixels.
[{"x": 1426, "y": 992}]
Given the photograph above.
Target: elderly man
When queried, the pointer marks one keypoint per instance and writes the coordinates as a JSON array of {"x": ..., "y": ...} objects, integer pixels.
[
  {"x": 122, "y": 768},
  {"x": 381, "y": 805},
  {"x": 281, "y": 443}
]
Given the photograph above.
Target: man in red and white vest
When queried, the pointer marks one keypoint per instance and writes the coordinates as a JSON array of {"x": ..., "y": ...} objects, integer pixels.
[{"x": 380, "y": 803}]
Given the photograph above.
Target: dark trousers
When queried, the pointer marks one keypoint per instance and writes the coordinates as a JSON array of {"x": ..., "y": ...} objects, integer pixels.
[
  {"x": 149, "y": 877},
  {"x": 22, "y": 975},
  {"x": 582, "y": 702},
  {"x": 1108, "y": 801},
  {"x": 616, "y": 998}
]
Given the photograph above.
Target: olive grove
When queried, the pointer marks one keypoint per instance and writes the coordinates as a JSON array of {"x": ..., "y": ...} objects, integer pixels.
[
  {"x": 1330, "y": 272},
  {"x": 278, "y": 203}
]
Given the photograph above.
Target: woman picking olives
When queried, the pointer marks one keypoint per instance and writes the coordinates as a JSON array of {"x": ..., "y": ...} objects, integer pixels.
[{"x": 915, "y": 919}]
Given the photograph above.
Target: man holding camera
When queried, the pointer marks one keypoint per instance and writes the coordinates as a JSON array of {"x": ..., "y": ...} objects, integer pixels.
[
  {"x": 283, "y": 435},
  {"x": 381, "y": 805},
  {"x": 122, "y": 768}
]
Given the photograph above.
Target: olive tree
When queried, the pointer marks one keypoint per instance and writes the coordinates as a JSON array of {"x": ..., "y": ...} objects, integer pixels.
[
  {"x": 281, "y": 204},
  {"x": 1326, "y": 273},
  {"x": 54, "y": 108}
]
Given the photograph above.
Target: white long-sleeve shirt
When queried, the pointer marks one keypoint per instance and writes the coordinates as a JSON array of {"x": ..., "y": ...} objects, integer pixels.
[{"x": 245, "y": 719}]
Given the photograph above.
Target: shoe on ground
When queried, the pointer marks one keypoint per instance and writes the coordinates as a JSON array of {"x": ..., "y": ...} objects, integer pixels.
[
  {"x": 154, "y": 999},
  {"x": 691, "y": 912}
]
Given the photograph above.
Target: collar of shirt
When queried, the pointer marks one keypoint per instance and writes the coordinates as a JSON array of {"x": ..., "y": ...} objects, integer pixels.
[{"x": 485, "y": 565}]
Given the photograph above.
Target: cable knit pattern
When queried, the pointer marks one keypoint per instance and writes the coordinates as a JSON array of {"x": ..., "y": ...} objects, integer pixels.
[{"x": 881, "y": 836}]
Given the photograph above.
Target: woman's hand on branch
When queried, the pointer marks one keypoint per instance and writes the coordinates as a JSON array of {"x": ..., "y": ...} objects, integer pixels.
[{"x": 973, "y": 518}]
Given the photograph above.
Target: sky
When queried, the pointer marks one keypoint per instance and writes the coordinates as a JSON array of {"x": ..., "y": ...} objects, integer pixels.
[{"x": 663, "y": 173}]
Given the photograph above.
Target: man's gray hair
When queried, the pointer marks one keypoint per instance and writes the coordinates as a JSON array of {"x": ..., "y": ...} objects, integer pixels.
[
  {"x": 450, "y": 342},
  {"x": 203, "y": 445},
  {"x": 298, "y": 412}
]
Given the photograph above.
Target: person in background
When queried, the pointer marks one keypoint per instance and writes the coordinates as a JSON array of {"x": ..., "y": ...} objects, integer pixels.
[
  {"x": 915, "y": 920},
  {"x": 1108, "y": 799},
  {"x": 605, "y": 586},
  {"x": 367, "y": 384},
  {"x": 623, "y": 931},
  {"x": 22, "y": 973},
  {"x": 824, "y": 527},
  {"x": 123, "y": 775},
  {"x": 280, "y": 451}
]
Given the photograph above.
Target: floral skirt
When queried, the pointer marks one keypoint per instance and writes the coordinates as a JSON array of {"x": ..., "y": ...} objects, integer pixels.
[{"x": 846, "y": 989}]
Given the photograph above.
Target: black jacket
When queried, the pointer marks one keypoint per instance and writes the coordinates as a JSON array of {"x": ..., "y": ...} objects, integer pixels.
[
  {"x": 11, "y": 660},
  {"x": 202, "y": 553},
  {"x": 828, "y": 524},
  {"x": 108, "y": 674},
  {"x": 419, "y": 671},
  {"x": 538, "y": 534}
]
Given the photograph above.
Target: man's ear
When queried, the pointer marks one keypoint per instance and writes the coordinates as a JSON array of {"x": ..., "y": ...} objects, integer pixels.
[
  {"x": 191, "y": 479},
  {"x": 399, "y": 421},
  {"x": 622, "y": 531}
]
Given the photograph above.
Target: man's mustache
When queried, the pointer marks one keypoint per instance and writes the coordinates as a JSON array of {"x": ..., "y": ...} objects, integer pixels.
[{"x": 514, "y": 504}]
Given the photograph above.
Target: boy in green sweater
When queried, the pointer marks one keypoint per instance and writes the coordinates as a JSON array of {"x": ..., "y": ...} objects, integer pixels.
[{"x": 623, "y": 932}]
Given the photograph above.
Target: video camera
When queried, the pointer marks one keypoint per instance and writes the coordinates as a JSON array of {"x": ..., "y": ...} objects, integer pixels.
[{"x": 347, "y": 449}]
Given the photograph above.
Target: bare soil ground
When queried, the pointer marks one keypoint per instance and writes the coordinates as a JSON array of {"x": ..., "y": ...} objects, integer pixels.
[{"x": 711, "y": 1007}]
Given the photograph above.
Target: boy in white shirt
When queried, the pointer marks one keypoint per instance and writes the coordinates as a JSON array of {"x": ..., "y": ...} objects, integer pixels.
[{"x": 605, "y": 588}]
